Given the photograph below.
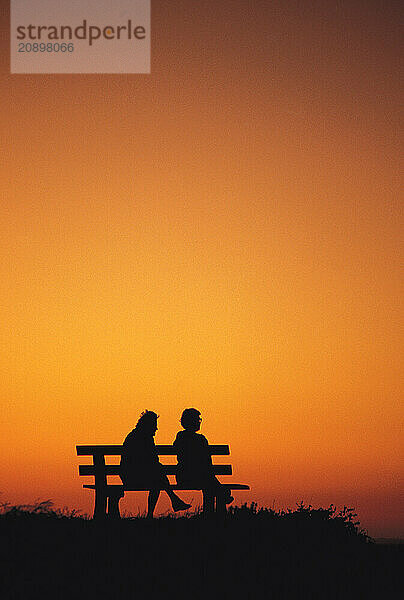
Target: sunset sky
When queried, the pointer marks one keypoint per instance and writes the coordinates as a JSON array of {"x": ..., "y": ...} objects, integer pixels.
[{"x": 224, "y": 233}]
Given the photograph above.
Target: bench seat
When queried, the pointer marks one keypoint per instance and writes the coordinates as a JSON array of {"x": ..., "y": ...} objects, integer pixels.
[{"x": 120, "y": 488}]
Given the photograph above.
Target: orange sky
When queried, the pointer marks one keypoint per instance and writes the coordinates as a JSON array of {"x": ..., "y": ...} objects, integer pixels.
[{"x": 223, "y": 233}]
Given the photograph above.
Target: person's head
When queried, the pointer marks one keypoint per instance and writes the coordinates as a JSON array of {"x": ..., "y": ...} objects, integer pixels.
[
  {"x": 147, "y": 422},
  {"x": 191, "y": 419}
]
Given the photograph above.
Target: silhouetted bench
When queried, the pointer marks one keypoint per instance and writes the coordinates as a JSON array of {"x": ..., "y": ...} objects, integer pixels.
[{"x": 109, "y": 495}]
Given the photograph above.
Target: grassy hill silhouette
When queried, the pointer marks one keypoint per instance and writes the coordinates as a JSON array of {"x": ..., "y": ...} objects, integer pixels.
[{"x": 248, "y": 553}]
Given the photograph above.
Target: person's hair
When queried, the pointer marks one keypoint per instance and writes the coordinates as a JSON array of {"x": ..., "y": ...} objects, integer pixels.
[
  {"x": 147, "y": 418},
  {"x": 189, "y": 417}
]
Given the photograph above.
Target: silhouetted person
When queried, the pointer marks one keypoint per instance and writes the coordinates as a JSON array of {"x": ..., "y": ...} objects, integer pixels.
[
  {"x": 140, "y": 465},
  {"x": 195, "y": 469}
]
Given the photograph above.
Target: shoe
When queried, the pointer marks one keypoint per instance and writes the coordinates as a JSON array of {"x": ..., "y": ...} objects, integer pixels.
[{"x": 180, "y": 505}]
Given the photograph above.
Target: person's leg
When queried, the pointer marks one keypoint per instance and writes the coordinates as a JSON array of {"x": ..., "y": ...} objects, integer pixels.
[
  {"x": 208, "y": 501},
  {"x": 220, "y": 491},
  {"x": 152, "y": 501},
  {"x": 176, "y": 501}
]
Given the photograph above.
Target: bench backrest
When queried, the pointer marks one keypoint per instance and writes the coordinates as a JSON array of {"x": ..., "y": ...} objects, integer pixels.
[{"x": 100, "y": 470}]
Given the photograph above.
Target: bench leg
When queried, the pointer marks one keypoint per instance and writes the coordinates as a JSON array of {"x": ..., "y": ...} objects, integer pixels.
[
  {"x": 113, "y": 507},
  {"x": 100, "y": 505}
]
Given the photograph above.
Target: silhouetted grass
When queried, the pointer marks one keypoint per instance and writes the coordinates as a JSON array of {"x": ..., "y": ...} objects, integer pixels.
[{"x": 249, "y": 553}]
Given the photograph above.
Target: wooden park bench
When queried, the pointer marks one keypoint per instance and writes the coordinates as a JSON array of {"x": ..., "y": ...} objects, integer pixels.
[{"x": 108, "y": 495}]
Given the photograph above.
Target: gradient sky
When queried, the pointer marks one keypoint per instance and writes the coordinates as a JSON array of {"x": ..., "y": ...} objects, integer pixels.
[{"x": 223, "y": 233}]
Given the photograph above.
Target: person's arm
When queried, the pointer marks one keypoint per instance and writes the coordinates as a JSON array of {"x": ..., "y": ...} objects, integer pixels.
[
  {"x": 154, "y": 457},
  {"x": 207, "y": 454},
  {"x": 178, "y": 446}
]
